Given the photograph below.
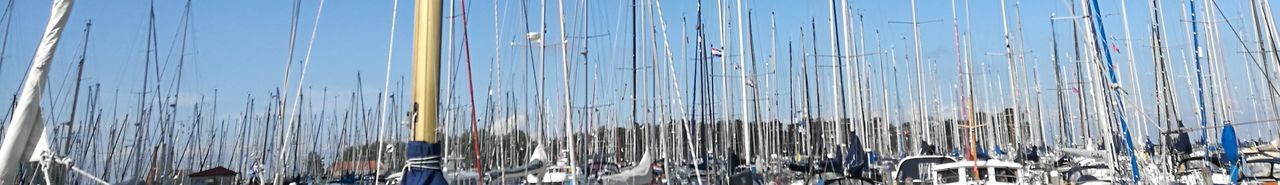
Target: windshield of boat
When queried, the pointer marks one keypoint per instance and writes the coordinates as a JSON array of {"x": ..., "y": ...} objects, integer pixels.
[
  {"x": 1262, "y": 170},
  {"x": 1009, "y": 175},
  {"x": 919, "y": 168},
  {"x": 1198, "y": 165},
  {"x": 949, "y": 176}
]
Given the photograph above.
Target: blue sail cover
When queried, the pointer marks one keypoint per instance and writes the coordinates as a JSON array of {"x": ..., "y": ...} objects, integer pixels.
[
  {"x": 852, "y": 160},
  {"x": 1182, "y": 144},
  {"x": 1029, "y": 154},
  {"x": 981, "y": 152},
  {"x": 1231, "y": 151},
  {"x": 1230, "y": 145},
  {"x": 424, "y": 164},
  {"x": 856, "y": 160}
]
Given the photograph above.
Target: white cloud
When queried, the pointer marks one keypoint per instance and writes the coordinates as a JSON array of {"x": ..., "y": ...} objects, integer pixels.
[{"x": 508, "y": 124}]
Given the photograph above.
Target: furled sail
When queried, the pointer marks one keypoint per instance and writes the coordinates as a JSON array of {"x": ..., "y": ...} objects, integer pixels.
[{"x": 26, "y": 123}]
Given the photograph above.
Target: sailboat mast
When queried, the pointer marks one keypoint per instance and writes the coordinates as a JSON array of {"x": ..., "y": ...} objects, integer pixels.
[
  {"x": 422, "y": 148},
  {"x": 635, "y": 69},
  {"x": 568, "y": 100},
  {"x": 1119, "y": 109},
  {"x": 1262, "y": 48},
  {"x": 806, "y": 116},
  {"x": 1196, "y": 53},
  {"x": 968, "y": 97},
  {"x": 773, "y": 61},
  {"x": 742, "y": 71},
  {"x": 75, "y": 95},
  {"x": 722, "y": 25},
  {"x": 1133, "y": 73},
  {"x": 1013, "y": 84},
  {"x": 1065, "y": 130},
  {"x": 837, "y": 65},
  {"x": 923, "y": 102},
  {"x": 813, "y": 27}
]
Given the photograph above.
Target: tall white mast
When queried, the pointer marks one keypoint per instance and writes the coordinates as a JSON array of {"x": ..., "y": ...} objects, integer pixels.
[
  {"x": 742, "y": 71},
  {"x": 847, "y": 79},
  {"x": 1133, "y": 73},
  {"x": 1013, "y": 77},
  {"x": 568, "y": 100},
  {"x": 724, "y": 81},
  {"x": 924, "y": 106}
]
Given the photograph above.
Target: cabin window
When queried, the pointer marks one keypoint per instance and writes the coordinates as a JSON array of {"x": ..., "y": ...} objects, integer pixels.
[
  {"x": 924, "y": 173},
  {"x": 1262, "y": 170},
  {"x": 1198, "y": 164},
  {"x": 949, "y": 176},
  {"x": 1275, "y": 173},
  {"x": 1006, "y": 175}
]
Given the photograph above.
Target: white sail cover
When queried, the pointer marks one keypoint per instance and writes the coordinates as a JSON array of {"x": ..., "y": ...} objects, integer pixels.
[
  {"x": 37, "y": 147},
  {"x": 539, "y": 154},
  {"x": 26, "y": 124},
  {"x": 538, "y": 162},
  {"x": 1094, "y": 154},
  {"x": 638, "y": 174}
]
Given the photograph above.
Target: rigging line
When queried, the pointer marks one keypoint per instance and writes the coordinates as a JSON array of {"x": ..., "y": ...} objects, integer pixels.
[
  {"x": 524, "y": 10},
  {"x": 475, "y": 137},
  {"x": 7, "y": 18},
  {"x": 382, "y": 114},
  {"x": 302, "y": 76},
  {"x": 1252, "y": 58}
]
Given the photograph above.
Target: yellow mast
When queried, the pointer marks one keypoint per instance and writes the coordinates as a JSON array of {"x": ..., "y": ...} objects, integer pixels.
[
  {"x": 423, "y": 152},
  {"x": 426, "y": 69}
]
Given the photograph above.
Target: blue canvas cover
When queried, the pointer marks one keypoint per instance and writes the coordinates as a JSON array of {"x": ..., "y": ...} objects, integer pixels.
[{"x": 424, "y": 164}]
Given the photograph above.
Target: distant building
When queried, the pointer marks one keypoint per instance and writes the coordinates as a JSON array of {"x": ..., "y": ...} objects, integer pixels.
[{"x": 213, "y": 176}]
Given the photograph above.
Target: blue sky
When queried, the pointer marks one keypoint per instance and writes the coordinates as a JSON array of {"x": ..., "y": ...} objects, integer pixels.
[{"x": 239, "y": 47}]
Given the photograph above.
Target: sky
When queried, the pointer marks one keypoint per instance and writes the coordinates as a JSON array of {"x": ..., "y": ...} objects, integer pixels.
[{"x": 240, "y": 48}]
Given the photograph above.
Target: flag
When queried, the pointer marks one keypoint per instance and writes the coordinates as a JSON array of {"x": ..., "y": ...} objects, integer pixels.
[
  {"x": 751, "y": 83},
  {"x": 716, "y": 52}
]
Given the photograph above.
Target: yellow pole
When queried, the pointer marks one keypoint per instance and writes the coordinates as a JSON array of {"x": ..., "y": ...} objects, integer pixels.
[{"x": 426, "y": 68}]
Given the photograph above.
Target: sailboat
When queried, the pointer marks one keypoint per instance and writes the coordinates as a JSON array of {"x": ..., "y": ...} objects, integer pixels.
[
  {"x": 538, "y": 163},
  {"x": 851, "y": 166},
  {"x": 639, "y": 174},
  {"x": 560, "y": 172},
  {"x": 1261, "y": 163}
]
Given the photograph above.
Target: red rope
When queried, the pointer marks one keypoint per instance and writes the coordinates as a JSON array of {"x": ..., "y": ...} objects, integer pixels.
[{"x": 475, "y": 134}]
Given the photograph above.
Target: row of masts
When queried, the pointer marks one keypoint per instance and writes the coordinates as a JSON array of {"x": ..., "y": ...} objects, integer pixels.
[{"x": 726, "y": 97}]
